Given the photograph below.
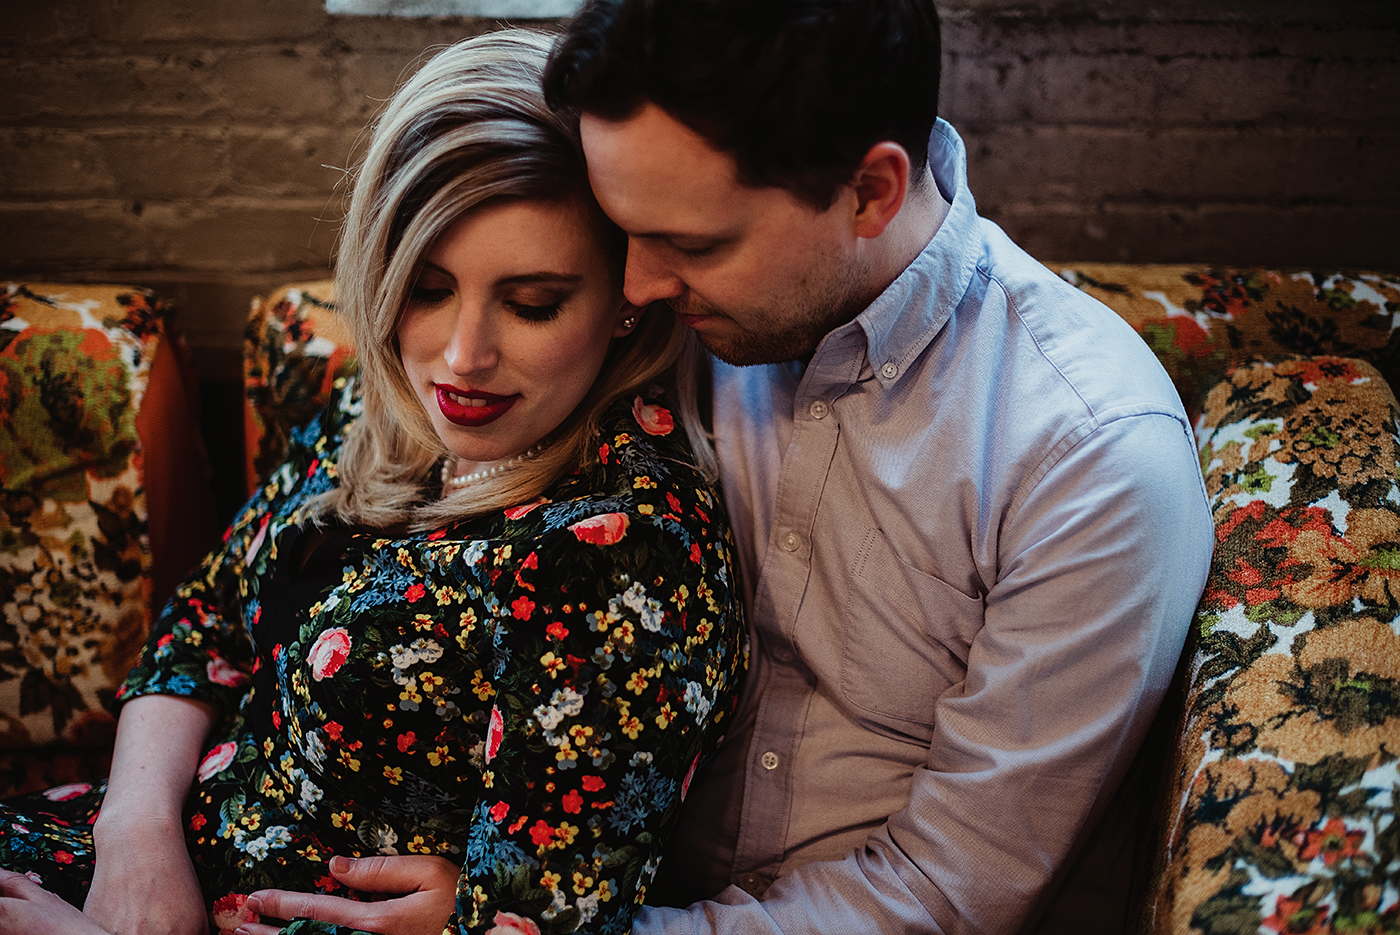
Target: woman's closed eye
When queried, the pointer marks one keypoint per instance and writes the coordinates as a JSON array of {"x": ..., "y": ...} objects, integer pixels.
[
  {"x": 428, "y": 295},
  {"x": 530, "y": 311}
]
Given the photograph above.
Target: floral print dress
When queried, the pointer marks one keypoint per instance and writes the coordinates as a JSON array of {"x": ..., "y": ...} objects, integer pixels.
[{"x": 526, "y": 693}]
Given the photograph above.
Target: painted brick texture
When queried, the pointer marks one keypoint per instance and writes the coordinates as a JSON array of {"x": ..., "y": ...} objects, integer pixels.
[{"x": 200, "y": 147}]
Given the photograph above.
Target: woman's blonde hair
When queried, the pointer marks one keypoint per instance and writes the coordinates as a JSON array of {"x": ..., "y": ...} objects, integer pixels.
[{"x": 470, "y": 127}]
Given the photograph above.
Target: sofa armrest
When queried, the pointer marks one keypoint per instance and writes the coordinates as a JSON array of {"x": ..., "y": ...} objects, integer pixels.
[
  {"x": 96, "y": 420},
  {"x": 1283, "y": 779}
]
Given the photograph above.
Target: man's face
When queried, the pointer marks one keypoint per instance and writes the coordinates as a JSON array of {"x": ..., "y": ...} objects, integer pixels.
[{"x": 760, "y": 275}]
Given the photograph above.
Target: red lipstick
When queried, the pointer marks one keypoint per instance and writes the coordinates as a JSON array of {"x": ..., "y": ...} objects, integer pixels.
[{"x": 472, "y": 408}]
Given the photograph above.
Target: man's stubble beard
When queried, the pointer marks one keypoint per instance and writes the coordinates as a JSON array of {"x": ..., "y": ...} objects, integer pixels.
[{"x": 839, "y": 301}]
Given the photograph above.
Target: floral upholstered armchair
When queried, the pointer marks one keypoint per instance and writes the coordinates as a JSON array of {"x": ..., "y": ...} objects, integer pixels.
[{"x": 107, "y": 504}]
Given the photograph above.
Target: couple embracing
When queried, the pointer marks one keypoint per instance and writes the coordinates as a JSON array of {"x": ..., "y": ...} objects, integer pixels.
[{"x": 553, "y": 622}]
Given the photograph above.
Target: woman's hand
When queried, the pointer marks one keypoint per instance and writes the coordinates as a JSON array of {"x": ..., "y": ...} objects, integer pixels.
[
  {"x": 423, "y": 894},
  {"x": 26, "y": 908},
  {"x": 146, "y": 883}
]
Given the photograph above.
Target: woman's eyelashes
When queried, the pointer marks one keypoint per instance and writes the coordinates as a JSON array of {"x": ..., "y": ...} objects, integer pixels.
[
  {"x": 528, "y": 308},
  {"x": 529, "y": 311},
  {"x": 428, "y": 295}
]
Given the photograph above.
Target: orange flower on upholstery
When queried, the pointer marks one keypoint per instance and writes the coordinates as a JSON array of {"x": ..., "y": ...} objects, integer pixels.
[
  {"x": 1315, "y": 370},
  {"x": 1333, "y": 841},
  {"x": 1365, "y": 564},
  {"x": 1292, "y": 917}
]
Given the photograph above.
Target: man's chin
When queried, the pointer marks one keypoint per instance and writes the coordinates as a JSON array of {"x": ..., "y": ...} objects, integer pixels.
[{"x": 748, "y": 351}]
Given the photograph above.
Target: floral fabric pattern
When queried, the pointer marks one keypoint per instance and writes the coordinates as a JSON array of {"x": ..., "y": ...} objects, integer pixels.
[
  {"x": 1199, "y": 319},
  {"x": 74, "y": 557},
  {"x": 525, "y": 694},
  {"x": 294, "y": 349},
  {"x": 1282, "y": 818}
]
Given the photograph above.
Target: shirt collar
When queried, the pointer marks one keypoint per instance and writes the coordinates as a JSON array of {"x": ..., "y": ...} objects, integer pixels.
[{"x": 904, "y": 318}]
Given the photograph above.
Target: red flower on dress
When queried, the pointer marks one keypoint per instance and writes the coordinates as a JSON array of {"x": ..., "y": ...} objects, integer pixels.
[
  {"x": 522, "y": 608},
  {"x": 689, "y": 775},
  {"x": 217, "y": 760},
  {"x": 231, "y": 911},
  {"x": 220, "y": 672},
  {"x": 516, "y": 512},
  {"x": 499, "y": 811},
  {"x": 607, "y": 529},
  {"x": 654, "y": 420},
  {"x": 557, "y": 630},
  {"x": 414, "y": 592},
  {"x": 495, "y": 730},
  {"x": 541, "y": 833},
  {"x": 572, "y": 802},
  {"x": 508, "y": 923},
  {"x": 329, "y": 652},
  {"x": 64, "y": 793}
]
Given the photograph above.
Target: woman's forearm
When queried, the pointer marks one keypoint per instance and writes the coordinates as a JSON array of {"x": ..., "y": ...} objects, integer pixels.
[{"x": 159, "y": 741}]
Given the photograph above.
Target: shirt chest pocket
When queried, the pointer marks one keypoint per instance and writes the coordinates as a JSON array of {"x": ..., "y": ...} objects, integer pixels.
[{"x": 907, "y": 636}]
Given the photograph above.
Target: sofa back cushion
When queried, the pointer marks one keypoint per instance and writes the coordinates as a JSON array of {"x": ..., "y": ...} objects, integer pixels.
[
  {"x": 1199, "y": 319},
  {"x": 294, "y": 348}
]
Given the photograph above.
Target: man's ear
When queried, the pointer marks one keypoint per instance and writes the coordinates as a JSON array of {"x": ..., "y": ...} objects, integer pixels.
[{"x": 880, "y": 184}]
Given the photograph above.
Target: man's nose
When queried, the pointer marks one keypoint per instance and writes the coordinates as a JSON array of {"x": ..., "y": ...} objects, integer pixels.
[{"x": 647, "y": 278}]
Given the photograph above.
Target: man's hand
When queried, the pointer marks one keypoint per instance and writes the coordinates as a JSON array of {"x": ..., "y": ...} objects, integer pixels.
[
  {"x": 144, "y": 883},
  {"x": 424, "y": 891},
  {"x": 26, "y": 908}
]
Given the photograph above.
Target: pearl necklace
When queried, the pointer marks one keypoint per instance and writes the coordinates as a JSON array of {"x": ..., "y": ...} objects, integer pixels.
[{"x": 464, "y": 480}]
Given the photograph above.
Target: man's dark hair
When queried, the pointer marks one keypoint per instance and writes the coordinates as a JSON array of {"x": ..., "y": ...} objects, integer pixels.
[{"x": 797, "y": 91}]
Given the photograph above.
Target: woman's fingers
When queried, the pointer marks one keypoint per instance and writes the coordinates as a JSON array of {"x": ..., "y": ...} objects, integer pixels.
[{"x": 407, "y": 873}]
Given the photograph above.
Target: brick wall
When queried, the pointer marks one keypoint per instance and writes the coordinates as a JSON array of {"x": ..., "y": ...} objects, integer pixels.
[{"x": 186, "y": 143}]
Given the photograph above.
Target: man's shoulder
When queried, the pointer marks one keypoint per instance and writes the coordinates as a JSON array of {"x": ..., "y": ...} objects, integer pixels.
[{"x": 1087, "y": 347}]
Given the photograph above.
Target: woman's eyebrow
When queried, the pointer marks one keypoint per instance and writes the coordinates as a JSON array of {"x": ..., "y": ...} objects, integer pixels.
[{"x": 549, "y": 278}]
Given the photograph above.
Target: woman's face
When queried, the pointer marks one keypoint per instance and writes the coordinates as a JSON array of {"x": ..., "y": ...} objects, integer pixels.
[{"x": 508, "y": 324}]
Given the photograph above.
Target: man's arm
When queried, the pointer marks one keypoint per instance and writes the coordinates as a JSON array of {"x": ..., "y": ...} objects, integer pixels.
[{"x": 1102, "y": 560}]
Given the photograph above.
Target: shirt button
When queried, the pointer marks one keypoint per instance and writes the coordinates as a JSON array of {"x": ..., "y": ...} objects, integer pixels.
[
  {"x": 889, "y": 371},
  {"x": 769, "y": 760},
  {"x": 782, "y": 654},
  {"x": 818, "y": 409},
  {"x": 750, "y": 883},
  {"x": 791, "y": 542}
]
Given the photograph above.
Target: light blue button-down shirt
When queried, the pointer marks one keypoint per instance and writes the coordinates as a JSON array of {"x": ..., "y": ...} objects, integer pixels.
[{"x": 972, "y": 532}]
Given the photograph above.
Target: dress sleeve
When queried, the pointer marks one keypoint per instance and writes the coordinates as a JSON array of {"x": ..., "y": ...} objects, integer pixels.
[
  {"x": 199, "y": 646},
  {"x": 618, "y": 651}
]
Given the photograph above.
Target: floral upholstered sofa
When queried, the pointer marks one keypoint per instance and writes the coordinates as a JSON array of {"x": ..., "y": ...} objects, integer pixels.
[
  {"x": 106, "y": 504},
  {"x": 1276, "y": 756}
]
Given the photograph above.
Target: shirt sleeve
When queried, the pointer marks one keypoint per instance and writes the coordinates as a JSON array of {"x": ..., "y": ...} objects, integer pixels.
[{"x": 1103, "y": 559}]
